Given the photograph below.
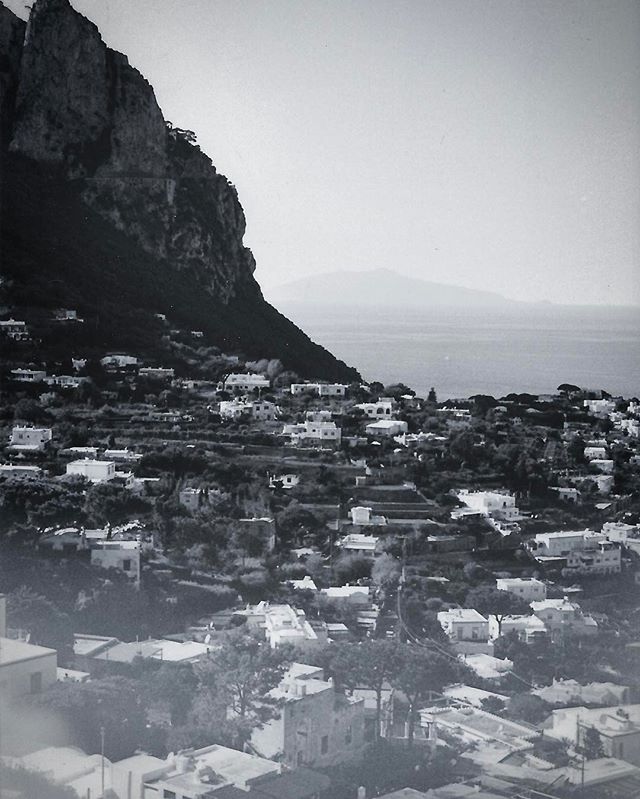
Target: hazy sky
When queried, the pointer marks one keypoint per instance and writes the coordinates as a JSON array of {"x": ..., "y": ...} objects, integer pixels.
[{"x": 487, "y": 143}]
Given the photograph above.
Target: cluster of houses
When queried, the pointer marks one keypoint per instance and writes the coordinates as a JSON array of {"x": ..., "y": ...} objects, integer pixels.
[{"x": 319, "y": 725}]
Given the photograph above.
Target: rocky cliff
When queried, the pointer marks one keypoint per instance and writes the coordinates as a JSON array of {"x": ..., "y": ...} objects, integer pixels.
[{"x": 79, "y": 118}]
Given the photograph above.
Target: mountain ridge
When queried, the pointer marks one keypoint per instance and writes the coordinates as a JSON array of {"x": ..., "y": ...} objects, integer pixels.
[
  {"x": 382, "y": 287},
  {"x": 86, "y": 154}
]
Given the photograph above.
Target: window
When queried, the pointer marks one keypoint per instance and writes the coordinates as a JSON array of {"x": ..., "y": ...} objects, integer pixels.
[
  {"x": 168, "y": 794},
  {"x": 35, "y": 680},
  {"x": 300, "y": 759},
  {"x": 126, "y": 565},
  {"x": 324, "y": 744},
  {"x": 348, "y": 735}
]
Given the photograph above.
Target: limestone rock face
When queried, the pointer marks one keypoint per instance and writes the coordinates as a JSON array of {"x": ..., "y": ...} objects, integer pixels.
[
  {"x": 11, "y": 38},
  {"x": 106, "y": 208},
  {"x": 82, "y": 108}
]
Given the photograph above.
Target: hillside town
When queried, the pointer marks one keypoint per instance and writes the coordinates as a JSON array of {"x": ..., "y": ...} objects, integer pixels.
[{"x": 221, "y": 580}]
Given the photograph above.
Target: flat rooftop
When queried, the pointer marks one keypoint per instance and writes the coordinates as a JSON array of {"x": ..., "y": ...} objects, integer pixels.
[{"x": 12, "y": 651}]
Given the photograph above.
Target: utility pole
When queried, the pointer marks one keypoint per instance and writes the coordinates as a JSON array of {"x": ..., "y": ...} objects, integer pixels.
[
  {"x": 102, "y": 761},
  {"x": 582, "y": 764}
]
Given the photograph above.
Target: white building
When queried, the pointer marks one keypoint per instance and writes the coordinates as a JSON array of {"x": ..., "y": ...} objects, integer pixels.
[
  {"x": 602, "y": 482},
  {"x": 122, "y": 456},
  {"x": 316, "y": 726},
  {"x": 464, "y": 624},
  {"x": 527, "y": 588},
  {"x": 585, "y": 551},
  {"x": 571, "y": 692},
  {"x": 498, "y": 504},
  {"x": 604, "y": 465},
  {"x": 631, "y": 427},
  {"x": 527, "y": 628},
  {"x": 245, "y": 382},
  {"x": 203, "y": 773},
  {"x": 15, "y": 329},
  {"x": 30, "y": 439},
  {"x": 82, "y": 452},
  {"x": 20, "y": 470},
  {"x": 24, "y": 668},
  {"x": 67, "y": 381},
  {"x": 601, "y": 557},
  {"x": 190, "y": 774},
  {"x": 67, "y": 315},
  {"x": 305, "y": 584},
  {"x": 361, "y": 516},
  {"x": 386, "y": 428},
  {"x": 282, "y": 624},
  {"x": 28, "y": 375},
  {"x": 285, "y": 481},
  {"x": 157, "y": 372},
  {"x": 487, "y": 666},
  {"x": 621, "y": 532},
  {"x": 93, "y": 470},
  {"x": 320, "y": 389},
  {"x": 382, "y": 409},
  {"x": 595, "y": 453},
  {"x": 618, "y": 727},
  {"x": 365, "y": 546},
  {"x": 313, "y": 433},
  {"x": 600, "y": 407},
  {"x": 566, "y": 494},
  {"x": 263, "y": 410},
  {"x": 118, "y": 361},
  {"x": 121, "y": 555},
  {"x": 561, "y": 616},
  {"x": 560, "y": 544}
]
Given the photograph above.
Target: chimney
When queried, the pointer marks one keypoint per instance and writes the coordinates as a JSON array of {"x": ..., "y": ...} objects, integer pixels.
[{"x": 3, "y": 616}]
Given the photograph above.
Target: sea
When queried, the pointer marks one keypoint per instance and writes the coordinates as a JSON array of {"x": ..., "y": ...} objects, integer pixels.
[{"x": 523, "y": 348}]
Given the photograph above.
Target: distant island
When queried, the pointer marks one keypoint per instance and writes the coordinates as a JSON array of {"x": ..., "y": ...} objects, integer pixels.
[{"x": 386, "y": 287}]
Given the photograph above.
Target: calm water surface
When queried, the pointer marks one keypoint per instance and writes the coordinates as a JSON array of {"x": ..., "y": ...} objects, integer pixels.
[{"x": 528, "y": 348}]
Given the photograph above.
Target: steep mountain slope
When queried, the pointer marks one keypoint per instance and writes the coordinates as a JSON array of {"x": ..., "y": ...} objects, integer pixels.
[{"x": 107, "y": 208}]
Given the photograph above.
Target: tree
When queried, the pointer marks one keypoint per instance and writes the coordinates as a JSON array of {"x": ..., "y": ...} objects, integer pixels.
[
  {"x": 294, "y": 521},
  {"x": 385, "y": 571},
  {"x": 432, "y": 397},
  {"x": 173, "y": 687},
  {"x": 591, "y": 744},
  {"x": 499, "y": 604},
  {"x": 113, "y": 703},
  {"x": 568, "y": 389},
  {"x": 529, "y": 708},
  {"x": 32, "y": 785},
  {"x": 350, "y": 568},
  {"x": 109, "y": 504},
  {"x": 46, "y": 625},
  {"x": 421, "y": 671},
  {"x": 370, "y": 664},
  {"x": 493, "y": 704},
  {"x": 28, "y": 410},
  {"x": 241, "y": 674}
]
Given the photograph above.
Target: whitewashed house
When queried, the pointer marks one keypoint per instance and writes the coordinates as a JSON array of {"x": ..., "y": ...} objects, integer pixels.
[
  {"x": 29, "y": 439},
  {"x": 464, "y": 624},
  {"x": 93, "y": 470}
]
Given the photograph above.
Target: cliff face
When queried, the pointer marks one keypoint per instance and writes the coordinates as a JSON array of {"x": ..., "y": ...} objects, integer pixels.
[
  {"x": 12, "y": 32},
  {"x": 82, "y": 107},
  {"x": 81, "y": 113}
]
